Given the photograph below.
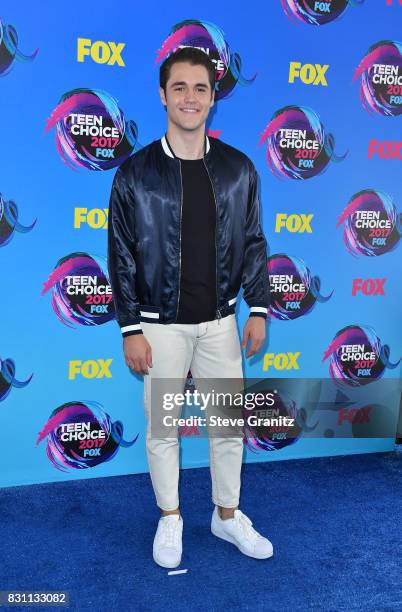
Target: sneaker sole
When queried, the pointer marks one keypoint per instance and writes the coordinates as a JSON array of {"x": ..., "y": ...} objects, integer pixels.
[
  {"x": 228, "y": 538},
  {"x": 165, "y": 565}
]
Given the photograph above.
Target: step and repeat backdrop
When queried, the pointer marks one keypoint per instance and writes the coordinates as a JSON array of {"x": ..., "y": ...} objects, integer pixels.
[{"x": 311, "y": 91}]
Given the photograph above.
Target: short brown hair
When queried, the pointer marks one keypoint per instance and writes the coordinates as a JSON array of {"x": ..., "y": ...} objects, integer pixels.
[{"x": 192, "y": 56}]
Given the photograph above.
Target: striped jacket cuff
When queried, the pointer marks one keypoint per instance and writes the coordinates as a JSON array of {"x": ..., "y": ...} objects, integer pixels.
[
  {"x": 258, "y": 311},
  {"x": 131, "y": 330}
]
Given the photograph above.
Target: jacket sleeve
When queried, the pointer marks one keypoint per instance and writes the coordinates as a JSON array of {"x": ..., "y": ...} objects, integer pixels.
[
  {"x": 255, "y": 280},
  {"x": 121, "y": 262}
]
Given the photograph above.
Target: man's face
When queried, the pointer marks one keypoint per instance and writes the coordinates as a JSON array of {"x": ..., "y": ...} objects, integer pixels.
[{"x": 188, "y": 95}]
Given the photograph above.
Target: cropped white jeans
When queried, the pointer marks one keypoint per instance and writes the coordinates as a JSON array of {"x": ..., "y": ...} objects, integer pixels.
[{"x": 210, "y": 350}]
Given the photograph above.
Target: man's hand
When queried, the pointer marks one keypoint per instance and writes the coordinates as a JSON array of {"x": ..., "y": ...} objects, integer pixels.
[
  {"x": 138, "y": 353},
  {"x": 254, "y": 330}
]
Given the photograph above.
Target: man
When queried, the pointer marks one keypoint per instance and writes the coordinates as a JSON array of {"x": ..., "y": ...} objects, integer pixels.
[{"x": 184, "y": 236}]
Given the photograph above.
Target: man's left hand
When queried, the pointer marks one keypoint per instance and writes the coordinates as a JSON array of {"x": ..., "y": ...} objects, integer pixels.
[{"x": 254, "y": 330}]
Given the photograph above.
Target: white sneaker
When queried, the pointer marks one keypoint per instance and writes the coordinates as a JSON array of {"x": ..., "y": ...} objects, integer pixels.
[
  {"x": 239, "y": 531},
  {"x": 167, "y": 549}
]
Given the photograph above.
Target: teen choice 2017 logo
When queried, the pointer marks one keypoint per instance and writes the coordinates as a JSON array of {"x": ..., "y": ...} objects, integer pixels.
[
  {"x": 210, "y": 39},
  {"x": 9, "y": 223},
  {"x": 91, "y": 130},
  {"x": 81, "y": 435},
  {"x": 272, "y": 427},
  {"x": 293, "y": 290},
  {"x": 372, "y": 225},
  {"x": 9, "y": 51},
  {"x": 317, "y": 12},
  {"x": 380, "y": 73},
  {"x": 297, "y": 145},
  {"x": 357, "y": 357},
  {"x": 81, "y": 292}
]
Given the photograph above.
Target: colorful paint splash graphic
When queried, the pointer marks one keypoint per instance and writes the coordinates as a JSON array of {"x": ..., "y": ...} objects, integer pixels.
[
  {"x": 9, "y": 223},
  {"x": 297, "y": 145},
  {"x": 357, "y": 357},
  {"x": 9, "y": 51},
  {"x": 91, "y": 131},
  {"x": 316, "y": 12},
  {"x": 211, "y": 39},
  {"x": 81, "y": 435},
  {"x": 81, "y": 292},
  {"x": 293, "y": 290},
  {"x": 260, "y": 437},
  {"x": 8, "y": 380},
  {"x": 372, "y": 224},
  {"x": 380, "y": 73}
]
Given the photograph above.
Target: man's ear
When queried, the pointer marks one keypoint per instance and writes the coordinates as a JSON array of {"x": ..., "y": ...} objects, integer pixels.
[
  {"x": 162, "y": 96},
  {"x": 213, "y": 99}
]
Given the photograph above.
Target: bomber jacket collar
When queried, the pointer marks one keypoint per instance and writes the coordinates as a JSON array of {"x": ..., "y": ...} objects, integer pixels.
[{"x": 167, "y": 149}]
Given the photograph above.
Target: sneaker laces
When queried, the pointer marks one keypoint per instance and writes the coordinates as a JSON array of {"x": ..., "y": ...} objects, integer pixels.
[
  {"x": 245, "y": 526},
  {"x": 170, "y": 532}
]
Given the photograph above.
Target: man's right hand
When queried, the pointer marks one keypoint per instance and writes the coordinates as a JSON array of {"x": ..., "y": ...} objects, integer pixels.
[{"x": 138, "y": 353}]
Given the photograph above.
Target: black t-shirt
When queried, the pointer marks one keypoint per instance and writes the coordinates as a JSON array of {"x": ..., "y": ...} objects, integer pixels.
[{"x": 197, "y": 300}]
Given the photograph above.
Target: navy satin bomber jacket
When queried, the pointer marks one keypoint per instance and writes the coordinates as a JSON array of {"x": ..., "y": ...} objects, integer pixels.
[{"x": 144, "y": 235}]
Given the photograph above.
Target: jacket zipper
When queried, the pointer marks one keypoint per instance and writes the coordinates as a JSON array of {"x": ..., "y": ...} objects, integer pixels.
[
  {"x": 218, "y": 312},
  {"x": 181, "y": 209}
]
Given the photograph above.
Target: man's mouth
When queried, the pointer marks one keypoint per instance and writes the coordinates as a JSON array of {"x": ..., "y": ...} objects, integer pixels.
[{"x": 189, "y": 110}]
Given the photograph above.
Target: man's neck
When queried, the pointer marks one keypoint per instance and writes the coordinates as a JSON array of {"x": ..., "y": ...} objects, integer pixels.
[{"x": 185, "y": 144}]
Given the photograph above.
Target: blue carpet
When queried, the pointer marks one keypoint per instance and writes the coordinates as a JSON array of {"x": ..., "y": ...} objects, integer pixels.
[{"x": 335, "y": 523}]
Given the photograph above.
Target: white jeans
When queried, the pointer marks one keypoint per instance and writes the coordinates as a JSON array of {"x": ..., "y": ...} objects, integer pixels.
[{"x": 210, "y": 350}]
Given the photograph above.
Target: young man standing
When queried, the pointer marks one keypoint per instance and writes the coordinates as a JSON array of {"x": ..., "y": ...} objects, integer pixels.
[{"x": 184, "y": 236}]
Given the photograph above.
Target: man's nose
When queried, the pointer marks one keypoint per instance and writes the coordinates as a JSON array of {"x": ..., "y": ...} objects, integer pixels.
[{"x": 189, "y": 96}]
